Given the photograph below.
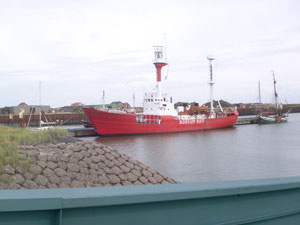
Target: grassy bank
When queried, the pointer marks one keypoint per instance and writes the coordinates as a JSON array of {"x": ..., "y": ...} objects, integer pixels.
[{"x": 10, "y": 138}]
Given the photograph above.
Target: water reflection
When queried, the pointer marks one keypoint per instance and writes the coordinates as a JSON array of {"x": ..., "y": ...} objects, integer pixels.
[{"x": 243, "y": 152}]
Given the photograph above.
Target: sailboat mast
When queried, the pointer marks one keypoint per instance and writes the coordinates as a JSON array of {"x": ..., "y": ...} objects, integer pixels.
[
  {"x": 40, "y": 102},
  {"x": 275, "y": 92}
]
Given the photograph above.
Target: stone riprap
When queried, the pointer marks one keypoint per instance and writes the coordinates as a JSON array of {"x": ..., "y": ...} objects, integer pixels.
[{"x": 74, "y": 165}]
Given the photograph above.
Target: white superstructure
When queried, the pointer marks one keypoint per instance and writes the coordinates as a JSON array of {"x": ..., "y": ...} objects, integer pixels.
[{"x": 156, "y": 103}]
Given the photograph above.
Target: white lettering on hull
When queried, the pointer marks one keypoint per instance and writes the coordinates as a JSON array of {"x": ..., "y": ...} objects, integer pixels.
[{"x": 191, "y": 121}]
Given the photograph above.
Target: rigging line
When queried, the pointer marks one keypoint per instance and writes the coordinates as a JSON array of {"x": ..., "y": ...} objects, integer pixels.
[
  {"x": 166, "y": 77},
  {"x": 286, "y": 101},
  {"x": 31, "y": 109},
  {"x": 73, "y": 116}
]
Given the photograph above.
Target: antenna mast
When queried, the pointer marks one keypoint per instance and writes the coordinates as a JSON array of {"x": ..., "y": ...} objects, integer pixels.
[
  {"x": 211, "y": 83},
  {"x": 133, "y": 98},
  {"x": 275, "y": 92}
]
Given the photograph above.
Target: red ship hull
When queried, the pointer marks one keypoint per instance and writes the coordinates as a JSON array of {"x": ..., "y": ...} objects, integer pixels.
[{"x": 107, "y": 123}]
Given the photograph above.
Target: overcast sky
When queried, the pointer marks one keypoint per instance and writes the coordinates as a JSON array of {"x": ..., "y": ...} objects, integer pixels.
[{"x": 77, "y": 49}]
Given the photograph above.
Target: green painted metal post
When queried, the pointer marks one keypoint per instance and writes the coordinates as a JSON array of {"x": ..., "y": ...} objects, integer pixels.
[{"x": 58, "y": 217}]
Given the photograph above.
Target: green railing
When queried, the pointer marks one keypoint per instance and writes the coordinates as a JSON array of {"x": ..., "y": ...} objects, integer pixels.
[{"x": 267, "y": 201}]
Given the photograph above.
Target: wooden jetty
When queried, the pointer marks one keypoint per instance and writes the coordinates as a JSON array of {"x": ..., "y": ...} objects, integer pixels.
[
  {"x": 82, "y": 132},
  {"x": 246, "y": 120}
]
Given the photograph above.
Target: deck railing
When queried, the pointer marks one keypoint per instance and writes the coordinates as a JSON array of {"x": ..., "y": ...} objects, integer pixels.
[{"x": 266, "y": 201}]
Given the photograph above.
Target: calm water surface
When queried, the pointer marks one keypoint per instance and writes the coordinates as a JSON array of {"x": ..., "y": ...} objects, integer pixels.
[{"x": 243, "y": 152}]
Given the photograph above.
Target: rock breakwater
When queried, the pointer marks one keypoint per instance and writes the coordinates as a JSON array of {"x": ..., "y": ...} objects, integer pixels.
[{"x": 77, "y": 164}]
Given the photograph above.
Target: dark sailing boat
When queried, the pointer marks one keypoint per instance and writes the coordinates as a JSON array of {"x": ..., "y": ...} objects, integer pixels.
[{"x": 278, "y": 117}]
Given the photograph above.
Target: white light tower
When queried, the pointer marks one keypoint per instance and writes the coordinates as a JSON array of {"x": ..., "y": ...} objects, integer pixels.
[
  {"x": 159, "y": 62},
  {"x": 211, "y": 82}
]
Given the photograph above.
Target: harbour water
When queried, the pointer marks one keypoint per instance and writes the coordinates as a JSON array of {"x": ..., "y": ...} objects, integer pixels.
[{"x": 239, "y": 153}]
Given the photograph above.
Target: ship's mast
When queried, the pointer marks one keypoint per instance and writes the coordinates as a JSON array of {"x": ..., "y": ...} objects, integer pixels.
[
  {"x": 133, "y": 100},
  {"x": 211, "y": 83},
  {"x": 259, "y": 95},
  {"x": 159, "y": 62},
  {"x": 275, "y": 92}
]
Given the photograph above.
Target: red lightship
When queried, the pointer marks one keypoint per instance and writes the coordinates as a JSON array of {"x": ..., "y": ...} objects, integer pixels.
[{"x": 159, "y": 114}]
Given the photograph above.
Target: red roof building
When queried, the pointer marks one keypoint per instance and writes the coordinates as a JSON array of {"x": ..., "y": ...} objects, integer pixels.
[
  {"x": 77, "y": 104},
  {"x": 22, "y": 104},
  {"x": 126, "y": 105}
]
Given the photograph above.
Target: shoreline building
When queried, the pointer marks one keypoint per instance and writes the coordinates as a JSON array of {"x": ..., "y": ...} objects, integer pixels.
[{"x": 25, "y": 109}]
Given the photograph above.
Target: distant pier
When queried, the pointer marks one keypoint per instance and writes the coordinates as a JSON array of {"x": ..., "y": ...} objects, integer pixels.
[{"x": 246, "y": 120}]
